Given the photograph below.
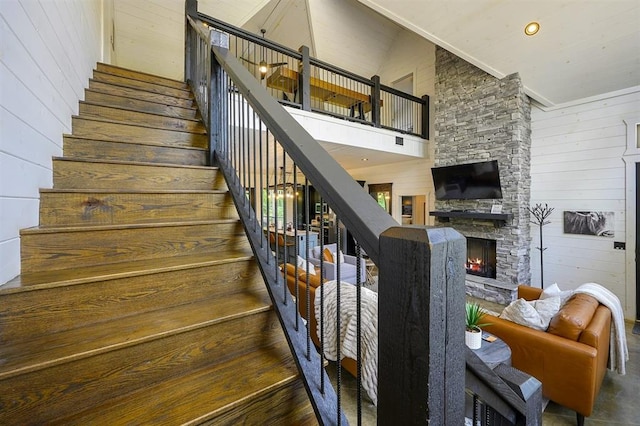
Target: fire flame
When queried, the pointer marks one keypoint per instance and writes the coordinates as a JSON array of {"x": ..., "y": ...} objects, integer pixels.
[{"x": 474, "y": 264}]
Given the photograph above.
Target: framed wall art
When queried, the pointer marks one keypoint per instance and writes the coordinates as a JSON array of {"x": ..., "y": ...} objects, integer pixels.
[{"x": 589, "y": 223}]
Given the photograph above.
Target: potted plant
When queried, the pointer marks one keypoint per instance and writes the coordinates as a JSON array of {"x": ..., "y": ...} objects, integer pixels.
[{"x": 473, "y": 332}]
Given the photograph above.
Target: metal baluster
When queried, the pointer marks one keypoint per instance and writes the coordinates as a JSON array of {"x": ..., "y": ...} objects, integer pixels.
[
  {"x": 321, "y": 236},
  {"x": 359, "y": 332},
  {"x": 338, "y": 325}
]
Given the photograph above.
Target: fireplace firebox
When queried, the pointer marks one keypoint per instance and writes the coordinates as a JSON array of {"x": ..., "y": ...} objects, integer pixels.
[{"x": 481, "y": 257}]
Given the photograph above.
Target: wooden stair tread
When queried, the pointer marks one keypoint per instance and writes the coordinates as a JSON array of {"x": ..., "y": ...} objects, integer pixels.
[
  {"x": 125, "y": 108},
  {"x": 108, "y": 88},
  {"x": 65, "y": 277},
  {"x": 128, "y": 123},
  {"x": 145, "y": 118},
  {"x": 117, "y": 80},
  {"x": 91, "y": 228},
  {"x": 135, "y": 163},
  {"x": 192, "y": 398},
  {"x": 65, "y": 346},
  {"x": 112, "y": 99},
  {"x": 142, "y": 143},
  {"x": 122, "y": 131},
  {"x": 134, "y": 191},
  {"x": 143, "y": 76}
]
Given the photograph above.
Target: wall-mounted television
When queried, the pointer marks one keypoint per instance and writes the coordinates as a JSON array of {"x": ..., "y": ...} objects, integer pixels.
[{"x": 467, "y": 181}]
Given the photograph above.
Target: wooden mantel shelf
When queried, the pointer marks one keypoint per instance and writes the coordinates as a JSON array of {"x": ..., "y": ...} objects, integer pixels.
[{"x": 499, "y": 219}]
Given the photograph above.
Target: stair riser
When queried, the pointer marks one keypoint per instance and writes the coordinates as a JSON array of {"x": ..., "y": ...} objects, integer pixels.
[
  {"x": 80, "y": 175},
  {"x": 129, "y": 92},
  {"x": 139, "y": 105},
  {"x": 140, "y": 85},
  {"x": 110, "y": 69},
  {"x": 63, "y": 389},
  {"x": 203, "y": 396},
  {"x": 125, "y": 151},
  {"x": 288, "y": 405},
  {"x": 42, "y": 312},
  {"x": 118, "y": 132},
  {"x": 74, "y": 249},
  {"x": 158, "y": 121},
  {"x": 91, "y": 208}
]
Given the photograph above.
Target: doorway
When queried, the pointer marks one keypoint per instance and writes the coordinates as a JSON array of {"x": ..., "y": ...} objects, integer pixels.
[
  {"x": 403, "y": 114},
  {"x": 413, "y": 209},
  {"x": 381, "y": 192}
]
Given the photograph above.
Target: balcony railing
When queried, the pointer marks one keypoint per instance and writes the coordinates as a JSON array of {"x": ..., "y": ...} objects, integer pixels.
[
  {"x": 271, "y": 164},
  {"x": 300, "y": 81}
]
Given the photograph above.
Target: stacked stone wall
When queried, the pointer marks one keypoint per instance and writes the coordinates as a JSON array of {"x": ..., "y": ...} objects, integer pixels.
[{"x": 479, "y": 118}]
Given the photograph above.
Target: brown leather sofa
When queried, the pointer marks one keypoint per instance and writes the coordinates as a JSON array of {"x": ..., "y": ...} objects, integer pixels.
[
  {"x": 314, "y": 283},
  {"x": 570, "y": 358}
]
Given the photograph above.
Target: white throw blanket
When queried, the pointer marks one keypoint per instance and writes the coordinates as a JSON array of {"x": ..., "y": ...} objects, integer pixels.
[
  {"x": 618, "y": 351},
  {"x": 348, "y": 329}
]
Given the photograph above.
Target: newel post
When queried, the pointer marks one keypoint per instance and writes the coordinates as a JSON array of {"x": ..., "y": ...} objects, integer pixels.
[
  {"x": 190, "y": 9},
  {"x": 421, "y": 352},
  {"x": 218, "y": 99}
]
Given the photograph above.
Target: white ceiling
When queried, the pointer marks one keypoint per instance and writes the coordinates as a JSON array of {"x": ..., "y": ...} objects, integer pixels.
[{"x": 585, "y": 48}]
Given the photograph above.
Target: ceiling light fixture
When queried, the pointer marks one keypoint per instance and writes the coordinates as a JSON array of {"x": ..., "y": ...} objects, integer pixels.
[{"x": 532, "y": 28}]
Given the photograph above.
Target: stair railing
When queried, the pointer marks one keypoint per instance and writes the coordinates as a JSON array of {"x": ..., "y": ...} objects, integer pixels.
[
  {"x": 269, "y": 161},
  {"x": 298, "y": 80}
]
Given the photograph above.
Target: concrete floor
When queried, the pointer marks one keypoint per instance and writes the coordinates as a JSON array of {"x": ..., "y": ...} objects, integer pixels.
[{"x": 618, "y": 402}]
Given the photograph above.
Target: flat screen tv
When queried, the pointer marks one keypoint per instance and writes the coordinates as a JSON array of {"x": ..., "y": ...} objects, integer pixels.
[{"x": 467, "y": 181}]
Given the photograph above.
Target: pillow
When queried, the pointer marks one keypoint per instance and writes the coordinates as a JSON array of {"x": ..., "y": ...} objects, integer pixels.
[
  {"x": 534, "y": 314},
  {"x": 327, "y": 256},
  {"x": 574, "y": 316},
  {"x": 316, "y": 252},
  {"x": 554, "y": 291},
  {"x": 302, "y": 265},
  {"x": 312, "y": 279},
  {"x": 338, "y": 255}
]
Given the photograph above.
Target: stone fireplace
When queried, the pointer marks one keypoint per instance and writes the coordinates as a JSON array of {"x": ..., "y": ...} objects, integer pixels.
[{"x": 478, "y": 118}]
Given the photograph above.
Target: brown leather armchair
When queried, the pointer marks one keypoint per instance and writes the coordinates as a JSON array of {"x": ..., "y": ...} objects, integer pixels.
[{"x": 571, "y": 371}]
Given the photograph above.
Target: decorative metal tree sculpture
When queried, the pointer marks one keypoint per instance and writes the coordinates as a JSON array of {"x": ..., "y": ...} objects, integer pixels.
[{"x": 540, "y": 215}]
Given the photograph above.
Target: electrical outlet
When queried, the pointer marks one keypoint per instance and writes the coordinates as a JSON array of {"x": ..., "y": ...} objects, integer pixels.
[{"x": 619, "y": 245}]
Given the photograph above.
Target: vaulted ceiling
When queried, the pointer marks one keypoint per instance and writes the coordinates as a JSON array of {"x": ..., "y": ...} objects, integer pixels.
[{"x": 583, "y": 49}]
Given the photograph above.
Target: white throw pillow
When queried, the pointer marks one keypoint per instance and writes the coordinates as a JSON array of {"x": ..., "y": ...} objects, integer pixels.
[
  {"x": 316, "y": 252},
  {"x": 338, "y": 256},
  {"x": 554, "y": 291},
  {"x": 547, "y": 308},
  {"x": 534, "y": 314},
  {"x": 302, "y": 264}
]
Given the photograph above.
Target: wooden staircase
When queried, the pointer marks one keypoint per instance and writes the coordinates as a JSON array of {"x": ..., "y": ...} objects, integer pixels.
[{"x": 139, "y": 300}]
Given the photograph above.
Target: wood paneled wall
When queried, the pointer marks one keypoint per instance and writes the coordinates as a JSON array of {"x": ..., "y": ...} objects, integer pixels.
[
  {"x": 49, "y": 49},
  {"x": 577, "y": 164},
  {"x": 149, "y": 36}
]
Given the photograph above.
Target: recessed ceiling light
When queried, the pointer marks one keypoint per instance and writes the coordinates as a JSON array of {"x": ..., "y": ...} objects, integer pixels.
[
  {"x": 532, "y": 28},
  {"x": 364, "y": 159}
]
